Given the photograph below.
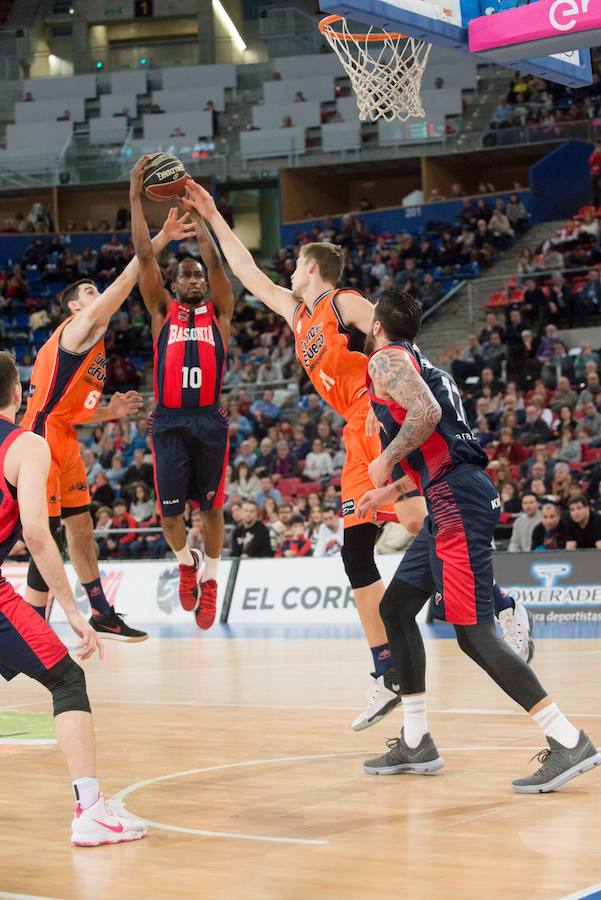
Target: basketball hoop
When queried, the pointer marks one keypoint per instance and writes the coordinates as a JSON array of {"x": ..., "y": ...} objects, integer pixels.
[{"x": 387, "y": 78}]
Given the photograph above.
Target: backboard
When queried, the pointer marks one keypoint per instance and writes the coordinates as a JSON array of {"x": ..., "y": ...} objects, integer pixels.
[{"x": 451, "y": 24}]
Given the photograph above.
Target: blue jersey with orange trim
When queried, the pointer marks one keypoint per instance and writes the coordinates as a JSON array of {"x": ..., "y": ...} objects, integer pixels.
[
  {"x": 450, "y": 445},
  {"x": 64, "y": 387},
  {"x": 189, "y": 357},
  {"x": 10, "y": 523}
]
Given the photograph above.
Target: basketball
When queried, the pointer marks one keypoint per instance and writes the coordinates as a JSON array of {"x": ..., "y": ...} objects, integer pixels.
[{"x": 165, "y": 178}]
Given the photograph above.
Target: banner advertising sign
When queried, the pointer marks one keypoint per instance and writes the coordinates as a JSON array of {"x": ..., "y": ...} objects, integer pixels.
[
  {"x": 299, "y": 591},
  {"x": 146, "y": 591},
  {"x": 556, "y": 587}
]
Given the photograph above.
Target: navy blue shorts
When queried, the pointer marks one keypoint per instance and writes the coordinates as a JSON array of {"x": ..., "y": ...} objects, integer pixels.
[
  {"x": 191, "y": 453},
  {"x": 452, "y": 556}
]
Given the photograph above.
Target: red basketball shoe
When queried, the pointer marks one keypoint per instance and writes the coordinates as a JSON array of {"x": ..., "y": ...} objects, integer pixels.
[
  {"x": 205, "y": 614},
  {"x": 188, "y": 584}
]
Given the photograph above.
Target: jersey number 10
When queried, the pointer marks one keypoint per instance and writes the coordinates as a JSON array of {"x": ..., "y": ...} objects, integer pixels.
[{"x": 191, "y": 377}]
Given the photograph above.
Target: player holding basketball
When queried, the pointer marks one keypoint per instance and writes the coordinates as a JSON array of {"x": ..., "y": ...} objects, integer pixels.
[
  {"x": 427, "y": 438},
  {"x": 190, "y": 431},
  {"x": 27, "y": 643},
  {"x": 66, "y": 384}
]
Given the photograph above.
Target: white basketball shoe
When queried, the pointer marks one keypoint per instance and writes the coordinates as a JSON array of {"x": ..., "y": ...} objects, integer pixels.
[
  {"x": 518, "y": 626},
  {"x": 98, "y": 824},
  {"x": 383, "y": 695}
]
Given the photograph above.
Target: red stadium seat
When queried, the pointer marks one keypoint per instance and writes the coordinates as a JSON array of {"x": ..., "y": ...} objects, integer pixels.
[{"x": 289, "y": 486}]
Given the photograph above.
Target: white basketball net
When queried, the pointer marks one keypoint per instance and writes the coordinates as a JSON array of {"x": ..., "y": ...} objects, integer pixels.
[{"x": 386, "y": 74}]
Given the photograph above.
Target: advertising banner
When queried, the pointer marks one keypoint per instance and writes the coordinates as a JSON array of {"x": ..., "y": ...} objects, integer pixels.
[
  {"x": 299, "y": 591},
  {"x": 556, "y": 587}
]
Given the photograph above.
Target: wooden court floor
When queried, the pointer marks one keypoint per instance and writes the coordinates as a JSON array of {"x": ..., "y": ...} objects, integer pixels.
[{"x": 241, "y": 753}]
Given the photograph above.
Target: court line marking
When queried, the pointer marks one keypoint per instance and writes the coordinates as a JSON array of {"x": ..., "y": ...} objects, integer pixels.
[
  {"x": 24, "y": 896},
  {"x": 117, "y": 801},
  {"x": 585, "y": 892}
]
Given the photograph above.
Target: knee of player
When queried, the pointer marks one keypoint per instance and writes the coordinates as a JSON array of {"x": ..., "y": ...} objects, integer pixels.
[
  {"x": 358, "y": 555},
  {"x": 66, "y": 682}
]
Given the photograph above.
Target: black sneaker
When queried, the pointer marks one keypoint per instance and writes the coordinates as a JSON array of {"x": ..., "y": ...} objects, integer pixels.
[{"x": 112, "y": 627}]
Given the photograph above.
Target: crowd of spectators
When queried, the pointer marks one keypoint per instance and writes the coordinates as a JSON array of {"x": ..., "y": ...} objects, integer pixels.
[
  {"x": 535, "y": 407},
  {"x": 544, "y": 108}
]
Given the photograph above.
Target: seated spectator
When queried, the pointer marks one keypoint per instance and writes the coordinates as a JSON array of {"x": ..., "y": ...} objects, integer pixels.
[
  {"x": 510, "y": 449},
  {"x": 517, "y": 215},
  {"x": 195, "y": 536},
  {"x": 590, "y": 424},
  {"x": 430, "y": 291},
  {"x": 524, "y": 525},
  {"x": 267, "y": 490},
  {"x": 550, "y": 533},
  {"x": 315, "y": 522},
  {"x": 563, "y": 395},
  {"x": 470, "y": 362},
  {"x": 116, "y": 473},
  {"x": 331, "y": 534},
  {"x": 116, "y": 545},
  {"x": 318, "y": 465},
  {"x": 561, "y": 305},
  {"x": 269, "y": 372},
  {"x": 590, "y": 294},
  {"x": 587, "y": 354},
  {"x": 501, "y": 231},
  {"x": 25, "y": 369},
  {"x": 101, "y": 490},
  {"x": 139, "y": 470},
  {"x": 286, "y": 464},
  {"x": 298, "y": 544},
  {"x": 494, "y": 354},
  {"x": 534, "y": 430},
  {"x": 250, "y": 539},
  {"x": 245, "y": 484},
  {"x": 534, "y": 301},
  {"x": 265, "y": 411},
  {"x": 491, "y": 325},
  {"x": 591, "y": 393},
  {"x": 143, "y": 506},
  {"x": 286, "y": 122},
  {"x": 265, "y": 459},
  {"x": 510, "y": 501},
  {"x": 583, "y": 530}
]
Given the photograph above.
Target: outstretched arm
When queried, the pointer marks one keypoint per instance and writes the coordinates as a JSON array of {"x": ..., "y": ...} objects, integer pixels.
[
  {"x": 90, "y": 324},
  {"x": 395, "y": 377},
  {"x": 278, "y": 299},
  {"x": 219, "y": 284}
]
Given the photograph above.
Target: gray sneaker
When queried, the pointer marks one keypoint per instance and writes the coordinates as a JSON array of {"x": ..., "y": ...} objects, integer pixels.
[
  {"x": 559, "y": 764},
  {"x": 422, "y": 760}
]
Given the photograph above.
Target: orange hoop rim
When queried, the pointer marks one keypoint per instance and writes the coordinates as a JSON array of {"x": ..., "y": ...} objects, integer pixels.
[{"x": 324, "y": 27}]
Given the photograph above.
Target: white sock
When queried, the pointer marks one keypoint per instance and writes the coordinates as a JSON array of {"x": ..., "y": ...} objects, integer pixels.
[
  {"x": 210, "y": 569},
  {"x": 184, "y": 556},
  {"x": 416, "y": 718},
  {"x": 86, "y": 791},
  {"x": 553, "y": 723}
]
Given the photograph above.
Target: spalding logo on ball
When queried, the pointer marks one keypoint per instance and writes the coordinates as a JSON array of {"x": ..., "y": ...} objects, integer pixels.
[{"x": 165, "y": 178}]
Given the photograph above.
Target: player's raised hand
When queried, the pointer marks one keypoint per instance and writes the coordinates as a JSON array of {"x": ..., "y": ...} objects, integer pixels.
[
  {"x": 177, "y": 228},
  {"x": 136, "y": 177},
  {"x": 90, "y": 642},
  {"x": 373, "y": 426},
  {"x": 125, "y": 404},
  {"x": 196, "y": 198}
]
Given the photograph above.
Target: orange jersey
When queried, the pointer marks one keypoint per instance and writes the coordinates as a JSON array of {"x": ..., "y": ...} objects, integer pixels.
[
  {"x": 65, "y": 387},
  {"x": 330, "y": 353}
]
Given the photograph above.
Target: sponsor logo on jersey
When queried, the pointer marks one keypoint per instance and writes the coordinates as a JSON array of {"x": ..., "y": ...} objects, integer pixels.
[
  {"x": 77, "y": 486},
  {"x": 97, "y": 369},
  {"x": 182, "y": 315},
  {"x": 348, "y": 508},
  {"x": 31, "y": 390},
  {"x": 200, "y": 310},
  {"x": 312, "y": 345},
  {"x": 204, "y": 333}
]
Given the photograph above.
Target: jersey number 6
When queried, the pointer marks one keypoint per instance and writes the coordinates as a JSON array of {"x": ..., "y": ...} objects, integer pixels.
[{"x": 91, "y": 401}]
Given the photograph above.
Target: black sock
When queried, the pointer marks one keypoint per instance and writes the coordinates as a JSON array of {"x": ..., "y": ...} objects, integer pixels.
[{"x": 98, "y": 602}]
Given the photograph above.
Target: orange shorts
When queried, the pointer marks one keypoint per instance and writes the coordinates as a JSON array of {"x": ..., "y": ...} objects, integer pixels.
[
  {"x": 361, "y": 450},
  {"x": 67, "y": 482}
]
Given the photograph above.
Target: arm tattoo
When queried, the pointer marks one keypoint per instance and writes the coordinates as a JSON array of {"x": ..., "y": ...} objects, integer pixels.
[{"x": 395, "y": 376}]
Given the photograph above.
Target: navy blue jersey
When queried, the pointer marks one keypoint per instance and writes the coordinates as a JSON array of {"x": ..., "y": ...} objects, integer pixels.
[
  {"x": 189, "y": 357},
  {"x": 10, "y": 523},
  {"x": 450, "y": 445}
]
